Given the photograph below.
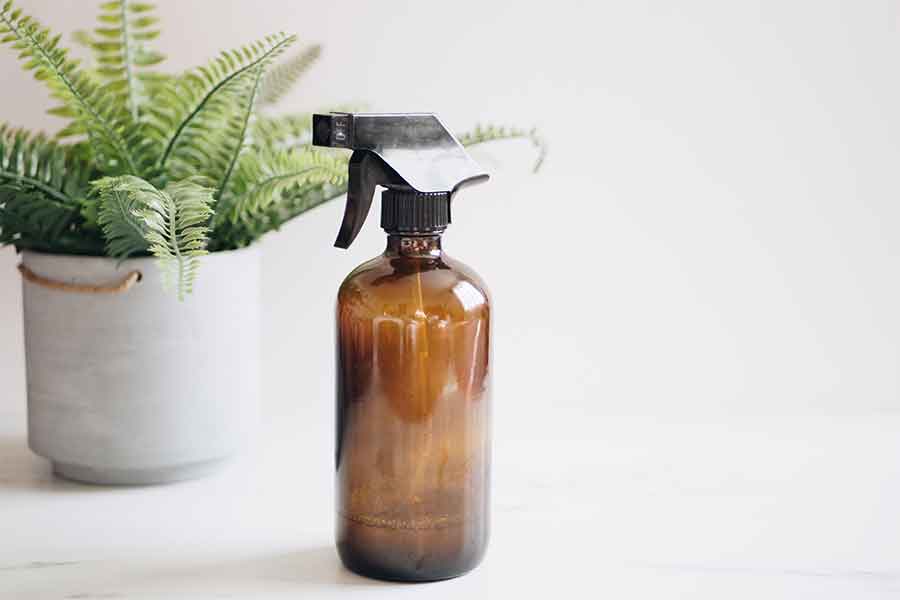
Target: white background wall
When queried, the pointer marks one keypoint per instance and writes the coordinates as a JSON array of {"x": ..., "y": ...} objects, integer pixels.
[{"x": 715, "y": 230}]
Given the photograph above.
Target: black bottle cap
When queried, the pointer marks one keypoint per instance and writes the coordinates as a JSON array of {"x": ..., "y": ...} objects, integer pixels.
[{"x": 405, "y": 210}]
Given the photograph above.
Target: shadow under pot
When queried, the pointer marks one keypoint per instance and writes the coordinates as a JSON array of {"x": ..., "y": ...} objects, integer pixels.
[{"x": 128, "y": 385}]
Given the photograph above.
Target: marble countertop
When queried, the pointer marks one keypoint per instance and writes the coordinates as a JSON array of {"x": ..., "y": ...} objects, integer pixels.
[{"x": 783, "y": 507}]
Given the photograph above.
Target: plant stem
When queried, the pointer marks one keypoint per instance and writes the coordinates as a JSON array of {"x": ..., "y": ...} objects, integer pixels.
[
  {"x": 248, "y": 112},
  {"x": 129, "y": 68},
  {"x": 126, "y": 217},
  {"x": 173, "y": 236}
]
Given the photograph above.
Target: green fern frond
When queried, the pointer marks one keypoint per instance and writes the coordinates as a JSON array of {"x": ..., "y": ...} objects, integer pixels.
[
  {"x": 173, "y": 224},
  {"x": 103, "y": 119},
  {"x": 292, "y": 203},
  {"x": 265, "y": 176},
  {"x": 186, "y": 117},
  {"x": 489, "y": 133},
  {"x": 32, "y": 161},
  {"x": 120, "y": 50},
  {"x": 28, "y": 215},
  {"x": 282, "y": 131},
  {"x": 82, "y": 38},
  {"x": 177, "y": 219},
  {"x": 122, "y": 59},
  {"x": 41, "y": 187},
  {"x": 284, "y": 75},
  {"x": 118, "y": 205},
  {"x": 236, "y": 135},
  {"x": 296, "y": 201}
]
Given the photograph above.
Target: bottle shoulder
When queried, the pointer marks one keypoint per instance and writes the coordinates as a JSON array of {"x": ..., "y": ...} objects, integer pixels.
[{"x": 399, "y": 285}]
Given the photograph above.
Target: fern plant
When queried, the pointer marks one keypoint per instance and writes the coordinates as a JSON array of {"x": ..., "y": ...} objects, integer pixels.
[{"x": 168, "y": 165}]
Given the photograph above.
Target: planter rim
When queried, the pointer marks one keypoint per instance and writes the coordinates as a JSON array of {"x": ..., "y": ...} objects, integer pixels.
[{"x": 143, "y": 259}]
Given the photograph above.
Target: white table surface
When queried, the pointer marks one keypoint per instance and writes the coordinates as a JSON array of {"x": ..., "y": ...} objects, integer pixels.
[{"x": 616, "y": 507}]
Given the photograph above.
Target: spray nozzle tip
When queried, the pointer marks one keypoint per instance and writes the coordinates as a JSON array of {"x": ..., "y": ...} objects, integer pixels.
[{"x": 333, "y": 130}]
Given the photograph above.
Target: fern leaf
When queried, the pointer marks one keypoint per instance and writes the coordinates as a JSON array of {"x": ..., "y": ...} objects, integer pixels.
[
  {"x": 284, "y": 75},
  {"x": 489, "y": 133},
  {"x": 282, "y": 131},
  {"x": 82, "y": 38},
  {"x": 238, "y": 134},
  {"x": 229, "y": 235},
  {"x": 41, "y": 187},
  {"x": 29, "y": 214},
  {"x": 172, "y": 224},
  {"x": 94, "y": 107},
  {"x": 187, "y": 116},
  {"x": 120, "y": 50},
  {"x": 119, "y": 202},
  {"x": 33, "y": 161},
  {"x": 300, "y": 199},
  {"x": 176, "y": 220},
  {"x": 265, "y": 176}
]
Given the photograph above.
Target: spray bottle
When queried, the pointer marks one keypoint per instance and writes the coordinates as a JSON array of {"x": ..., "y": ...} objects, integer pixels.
[{"x": 413, "y": 359}]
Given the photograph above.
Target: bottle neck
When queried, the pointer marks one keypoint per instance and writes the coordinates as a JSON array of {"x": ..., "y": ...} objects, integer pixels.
[{"x": 414, "y": 246}]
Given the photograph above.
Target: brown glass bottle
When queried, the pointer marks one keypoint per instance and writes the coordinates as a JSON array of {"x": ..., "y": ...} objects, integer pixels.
[{"x": 413, "y": 414}]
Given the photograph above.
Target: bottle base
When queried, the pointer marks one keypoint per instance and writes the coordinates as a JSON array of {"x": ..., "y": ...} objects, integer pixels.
[{"x": 413, "y": 573}]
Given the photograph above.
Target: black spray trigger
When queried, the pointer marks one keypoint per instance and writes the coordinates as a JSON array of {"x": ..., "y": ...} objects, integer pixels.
[
  {"x": 367, "y": 171},
  {"x": 413, "y": 151}
]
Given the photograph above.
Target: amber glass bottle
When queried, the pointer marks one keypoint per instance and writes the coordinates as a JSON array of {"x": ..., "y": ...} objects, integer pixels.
[{"x": 413, "y": 410}]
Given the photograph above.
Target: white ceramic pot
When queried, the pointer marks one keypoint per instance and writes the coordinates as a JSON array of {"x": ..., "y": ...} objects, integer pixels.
[{"x": 137, "y": 387}]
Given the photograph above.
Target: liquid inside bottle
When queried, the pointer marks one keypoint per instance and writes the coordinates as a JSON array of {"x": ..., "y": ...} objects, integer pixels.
[{"x": 413, "y": 414}]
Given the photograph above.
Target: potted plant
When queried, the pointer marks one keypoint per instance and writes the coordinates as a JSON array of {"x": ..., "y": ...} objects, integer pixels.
[{"x": 138, "y": 371}]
